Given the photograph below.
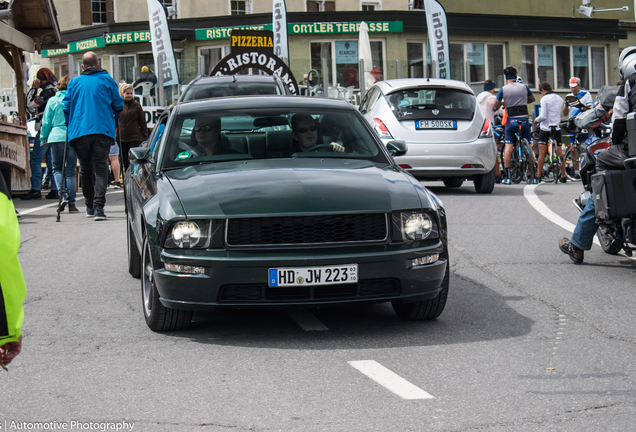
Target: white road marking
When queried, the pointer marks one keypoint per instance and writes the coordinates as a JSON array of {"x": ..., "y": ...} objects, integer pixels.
[
  {"x": 306, "y": 320},
  {"x": 390, "y": 380},
  {"x": 533, "y": 199},
  {"x": 54, "y": 204}
]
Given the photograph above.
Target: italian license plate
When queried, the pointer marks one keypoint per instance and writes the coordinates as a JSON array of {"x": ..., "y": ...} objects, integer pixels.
[
  {"x": 327, "y": 275},
  {"x": 436, "y": 124}
]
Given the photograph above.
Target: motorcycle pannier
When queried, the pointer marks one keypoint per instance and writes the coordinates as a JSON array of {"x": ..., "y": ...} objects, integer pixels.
[{"x": 614, "y": 194}]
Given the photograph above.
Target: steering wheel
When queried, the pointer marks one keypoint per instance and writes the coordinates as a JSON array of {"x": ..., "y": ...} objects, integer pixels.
[{"x": 320, "y": 147}]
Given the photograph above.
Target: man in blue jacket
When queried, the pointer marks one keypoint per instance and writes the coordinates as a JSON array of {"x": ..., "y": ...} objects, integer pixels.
[{"x": 91, "y": 104}]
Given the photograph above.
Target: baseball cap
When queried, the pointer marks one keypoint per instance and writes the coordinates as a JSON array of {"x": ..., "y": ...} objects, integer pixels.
[{"x": 574, "y": 81}]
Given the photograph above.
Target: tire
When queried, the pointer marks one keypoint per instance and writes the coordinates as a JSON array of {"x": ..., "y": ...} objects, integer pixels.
[
  {"x": 609, "y": 244},
  {"x": 134, "y": 257},
  {"x": 485, "y": 183},
  {"x": 555, "y": 163},
  {"x": 427, "y": 309},
  {"x": 158, "y": 317},
  {"x": 453, "y": 182},
  {"x": 527, "y": 165},
  {"x": 569, "y": 173}
]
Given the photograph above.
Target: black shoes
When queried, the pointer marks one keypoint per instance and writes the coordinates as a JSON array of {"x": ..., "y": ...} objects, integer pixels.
[
  {"x": 72, "y": 208},
  {"x": 99, "y": 214},
  {"x": 90, "y": 212},
  {"x": 576, "y": 254},
  {"x": 32, "y": 195},
  {"x": 52, "y": 195},
  {"x": 562, "y": 179}
]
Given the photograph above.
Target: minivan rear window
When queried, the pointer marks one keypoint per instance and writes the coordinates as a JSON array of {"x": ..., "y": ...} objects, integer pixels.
[
  {"x": 206, "y": 91},
  {"x": 432, "y": 103}
]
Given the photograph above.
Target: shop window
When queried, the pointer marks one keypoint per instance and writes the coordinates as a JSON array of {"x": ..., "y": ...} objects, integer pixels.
[
  {"x": 475, "y": 57},
  {"x": 377, "y": 56},
  {"x": 127, "y": 69},
  {"x": 415, "y": 59},
  {"x": 96, "y": 12},
  {"x": 496, "y": 64},
  {"x": 321, "y": 6},
  {"x": 347, "y": 63},
  {"x": 563, "y": 67},
  {"x": 320, "y": 50},
  {"x": 240, "y": 7},
  {"x": 456, "y": 52},
  {"x": 598, "y": 66},
  {"x": 580, "y": 62},
  {"x": 528, "y": 66}
]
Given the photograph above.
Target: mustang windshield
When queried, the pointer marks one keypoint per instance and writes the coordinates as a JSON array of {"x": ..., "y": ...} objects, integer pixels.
[{"x": 217, "y": 136}]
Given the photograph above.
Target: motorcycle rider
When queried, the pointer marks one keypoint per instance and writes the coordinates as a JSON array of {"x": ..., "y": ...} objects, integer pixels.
[
  {"x": 517, "y": 96},
  {"x": 610, "y": 159}
]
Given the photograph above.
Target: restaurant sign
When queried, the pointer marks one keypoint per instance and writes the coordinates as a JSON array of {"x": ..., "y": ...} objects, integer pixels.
[
  {"x": 78, "y": 46},
  {"x": 344, "y": 27},
  {"x": 127, "y": 37},
  {"x": 224, "y": 32}
]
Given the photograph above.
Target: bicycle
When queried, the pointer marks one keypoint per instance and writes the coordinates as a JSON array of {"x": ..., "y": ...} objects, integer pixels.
[
  {"x": 553, "y": 159},
  {"x": 522, "y": 164}
]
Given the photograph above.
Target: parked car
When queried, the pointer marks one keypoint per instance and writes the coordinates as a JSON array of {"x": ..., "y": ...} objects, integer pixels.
[
  {"x": 447, "y": 135},
  {"x": 205, "y": 87},
  {"x": 259, "y": 224}
]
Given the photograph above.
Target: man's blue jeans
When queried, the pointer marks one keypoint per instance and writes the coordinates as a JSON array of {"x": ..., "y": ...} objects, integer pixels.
[
  {"x": 586, "y": 227},
  {"x": 71, "y": 167},
  {"x": 36, "y": 163}
]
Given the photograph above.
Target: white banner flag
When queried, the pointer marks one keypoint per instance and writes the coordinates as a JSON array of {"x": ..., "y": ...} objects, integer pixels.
[
  {"x": 279, "y": 25},
  {"x": 438, "y": 37},
  {"x": 162, "y": 52}
]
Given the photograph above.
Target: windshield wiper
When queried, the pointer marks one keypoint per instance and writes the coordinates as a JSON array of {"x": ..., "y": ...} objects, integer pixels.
[{"x": 425, "y": 106}]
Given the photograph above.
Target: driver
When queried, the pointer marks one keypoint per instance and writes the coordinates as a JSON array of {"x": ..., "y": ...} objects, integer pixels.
[
  {"x": 305, "y": 135},
  {"x": 612, "y": 158}
]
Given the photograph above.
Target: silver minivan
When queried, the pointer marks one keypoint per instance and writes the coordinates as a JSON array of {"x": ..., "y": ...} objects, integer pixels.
[{"x": 448, "y": 137}]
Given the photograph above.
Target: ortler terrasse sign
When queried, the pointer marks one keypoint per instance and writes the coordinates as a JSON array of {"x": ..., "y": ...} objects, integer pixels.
[{"x": 255, "y": 49}]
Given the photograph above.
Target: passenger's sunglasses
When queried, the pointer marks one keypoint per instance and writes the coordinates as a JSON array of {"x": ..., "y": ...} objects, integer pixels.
[
  {"x": 306, "y": 129},
  {"x": 207, "y": 128}
]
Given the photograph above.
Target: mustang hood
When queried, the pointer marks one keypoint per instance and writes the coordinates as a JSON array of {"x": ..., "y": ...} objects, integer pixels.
[{"x": 278, "y": 187}]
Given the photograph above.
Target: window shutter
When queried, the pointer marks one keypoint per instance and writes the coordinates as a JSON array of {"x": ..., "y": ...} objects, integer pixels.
[
  {"x": 110, "y": 11},
  {"x": 86, "y": 12},
  {"x": 312, "y": 6},
  {"x": 330, "y": 6}
]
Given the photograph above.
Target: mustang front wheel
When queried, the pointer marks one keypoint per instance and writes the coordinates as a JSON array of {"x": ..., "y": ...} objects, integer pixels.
[
  {"x": 427, "y": 309},
  {"x": 158, "y": 317}
]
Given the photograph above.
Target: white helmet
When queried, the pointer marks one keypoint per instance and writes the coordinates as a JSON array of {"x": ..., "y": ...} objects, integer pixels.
[
  {"x": 519, "y": 80},
  {"x": 627, "y": 62}
]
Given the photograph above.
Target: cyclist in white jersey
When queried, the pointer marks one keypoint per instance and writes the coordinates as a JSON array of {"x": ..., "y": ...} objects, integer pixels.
[{"x": 551, "y": 106}]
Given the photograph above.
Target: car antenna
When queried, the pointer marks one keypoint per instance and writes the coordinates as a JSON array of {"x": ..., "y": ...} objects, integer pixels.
[
  {"x": 234, "y": 78},
  {"x": 428, "y": 79}
]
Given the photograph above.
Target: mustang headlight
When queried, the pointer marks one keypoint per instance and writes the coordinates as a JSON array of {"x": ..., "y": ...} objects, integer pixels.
[
  {"x": 418, "y": 226},
  {"x": 189, "y": 234}
]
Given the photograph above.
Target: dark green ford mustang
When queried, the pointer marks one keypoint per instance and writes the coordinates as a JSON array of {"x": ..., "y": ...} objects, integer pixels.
[{"x": 278, "y": 201}]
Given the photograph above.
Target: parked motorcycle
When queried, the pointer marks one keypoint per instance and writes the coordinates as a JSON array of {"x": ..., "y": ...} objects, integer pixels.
[{"x": 614, "y": 194}]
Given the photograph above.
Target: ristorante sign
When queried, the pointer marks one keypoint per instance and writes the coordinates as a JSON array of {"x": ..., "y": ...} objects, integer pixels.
[{"x": 255, "y": 49}]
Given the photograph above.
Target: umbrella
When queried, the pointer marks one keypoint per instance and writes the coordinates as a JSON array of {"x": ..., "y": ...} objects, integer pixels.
[{"x": 364, "y": 53}]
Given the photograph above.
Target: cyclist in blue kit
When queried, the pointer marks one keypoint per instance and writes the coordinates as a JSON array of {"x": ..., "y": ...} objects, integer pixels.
[{"x": 517, "y": 96}]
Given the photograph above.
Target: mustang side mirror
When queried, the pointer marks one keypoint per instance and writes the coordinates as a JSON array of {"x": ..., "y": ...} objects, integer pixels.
[
  {"x": 397, "y": 147},
  {"x": 140, "y": 155}
]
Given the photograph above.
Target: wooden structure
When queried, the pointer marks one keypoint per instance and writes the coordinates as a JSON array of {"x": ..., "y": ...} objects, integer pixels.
[{"x": 26, "y": 25}]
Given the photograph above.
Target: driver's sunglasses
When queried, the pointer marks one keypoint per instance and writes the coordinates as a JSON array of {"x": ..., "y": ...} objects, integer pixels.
[
  {"x": 207, "y": 128},
  {"x": 306, "y": 129}
]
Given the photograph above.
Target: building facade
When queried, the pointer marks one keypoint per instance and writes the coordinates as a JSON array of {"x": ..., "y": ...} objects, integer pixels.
[{"x": 546, "y": 41}]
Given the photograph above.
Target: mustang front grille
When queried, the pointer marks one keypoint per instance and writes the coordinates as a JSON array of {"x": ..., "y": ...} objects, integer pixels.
[{"x": 307, "y": 230}]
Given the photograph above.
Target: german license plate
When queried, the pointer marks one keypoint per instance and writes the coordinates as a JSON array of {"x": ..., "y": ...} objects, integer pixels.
[
  {"x": 436, "y": 124},
  {"x": 327, "y": 275}
]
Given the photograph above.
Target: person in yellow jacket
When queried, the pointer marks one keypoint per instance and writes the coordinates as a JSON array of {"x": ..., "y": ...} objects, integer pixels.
[{"x": 12, "y": 286}]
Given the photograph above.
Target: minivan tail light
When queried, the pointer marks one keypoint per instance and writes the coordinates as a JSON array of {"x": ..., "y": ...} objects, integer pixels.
[
  {"x": 486, "y": 130},
  {"x": 382, "y": 131}
]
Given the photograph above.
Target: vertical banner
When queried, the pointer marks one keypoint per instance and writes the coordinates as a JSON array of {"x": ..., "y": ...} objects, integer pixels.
[
  {"x": 162, "y": 52},
  {"x": 279, "y": 24},
  {"x": 438, "y": 37}
]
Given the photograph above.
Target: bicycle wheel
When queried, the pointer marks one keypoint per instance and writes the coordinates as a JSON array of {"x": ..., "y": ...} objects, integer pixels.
[
  {"x": 527, "y": 164},
  {"x": 569, "y": 166},
  {"x": 516, "y": 174},
  {"x": 555, "y": 162}
]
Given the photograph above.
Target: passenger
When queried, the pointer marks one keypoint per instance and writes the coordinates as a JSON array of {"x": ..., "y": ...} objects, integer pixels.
[
  {"x": 206, "y": 139},
  {"x": 305, "y": 135}
]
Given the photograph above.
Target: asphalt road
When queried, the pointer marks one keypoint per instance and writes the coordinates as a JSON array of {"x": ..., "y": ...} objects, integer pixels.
[{"x": 528, "y": 340}]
